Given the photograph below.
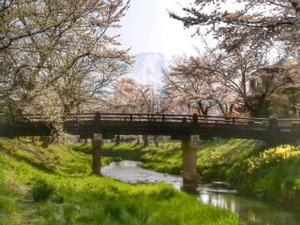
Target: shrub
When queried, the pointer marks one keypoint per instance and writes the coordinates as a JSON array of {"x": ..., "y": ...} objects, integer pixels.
[{"x": 41, "y": 191}]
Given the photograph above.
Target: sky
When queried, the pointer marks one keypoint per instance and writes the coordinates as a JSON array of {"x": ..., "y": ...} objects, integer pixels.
[{"x": 147, "y": 27}]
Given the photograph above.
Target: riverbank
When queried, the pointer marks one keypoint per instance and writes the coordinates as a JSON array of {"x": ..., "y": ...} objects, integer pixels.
[
  {"x": 54, "y": 186},
  {"x": 270, "y": 174}
]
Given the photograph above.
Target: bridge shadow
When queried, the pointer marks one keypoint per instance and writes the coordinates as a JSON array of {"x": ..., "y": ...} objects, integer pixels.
[
  {"x": 128, "y": 151},
  {"x": 37, "y": 165},
  {"x": 83, "y": 148}
]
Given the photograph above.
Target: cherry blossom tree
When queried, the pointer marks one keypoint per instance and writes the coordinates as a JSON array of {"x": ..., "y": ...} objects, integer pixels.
[
  {"x": 193, "y": 84},
  {"x": 246, "y": 33},
  {"x": 129, "y": 96},
  {"x": 228, "y": 83},
  {"x": 246, "y": 22},
  {"x": 57, "y": 55}
]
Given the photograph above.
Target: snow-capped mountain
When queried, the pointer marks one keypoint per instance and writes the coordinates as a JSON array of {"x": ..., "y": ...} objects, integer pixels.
[{"x": 148, "y": 67}]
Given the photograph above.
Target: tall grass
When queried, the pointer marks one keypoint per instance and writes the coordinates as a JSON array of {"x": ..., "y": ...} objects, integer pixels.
[{"x": 70, "y": 195}]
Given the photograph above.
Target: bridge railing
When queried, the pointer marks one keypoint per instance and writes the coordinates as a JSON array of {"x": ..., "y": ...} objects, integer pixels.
[
  {"x": 136, "y": 117},
  {"x": 283, "y": 125},
  {"x": 140, "y": 117},
  {"x": 288, "y": 125}
]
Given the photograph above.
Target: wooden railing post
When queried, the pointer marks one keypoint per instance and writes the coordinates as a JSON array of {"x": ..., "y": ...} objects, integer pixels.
[
  {"x": 96, "y": 162},
  {"x": 272, "y": 129},
  {"x": 273, "y": 125},
  {"x": 250, "y": 124},
  {"x": 195, "y": 118},
  {"x": 97, "y": 116}
]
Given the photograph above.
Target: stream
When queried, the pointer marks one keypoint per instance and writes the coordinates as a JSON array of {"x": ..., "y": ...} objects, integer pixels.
[{"x": 252, "y": 212}]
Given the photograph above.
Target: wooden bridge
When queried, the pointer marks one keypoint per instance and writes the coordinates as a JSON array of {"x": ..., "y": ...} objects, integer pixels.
[
  {"x": 176, "y": 126},
  {"x": 187, "y": 128}
]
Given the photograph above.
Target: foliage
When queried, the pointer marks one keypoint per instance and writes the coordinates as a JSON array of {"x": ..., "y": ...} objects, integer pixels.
[
  {"x": 255, "y": 23},
  {"x": 286, "y": 104},
  {"x": 256, "y": 57},
  {"x": 82, "y": 199},
  {"x": 194, "y": 88},
  {"x": 57, "y": 56},
  {"x": 130, "y": 96},
  {"x": 273, "y": 157},
  {"x": 220, "y": 82},
  {"x": 41, "y": 190},
  {"x": 166, "y": 159},
  {"x": 225, "y": 159},
  {"x": 275, "y": 173}
]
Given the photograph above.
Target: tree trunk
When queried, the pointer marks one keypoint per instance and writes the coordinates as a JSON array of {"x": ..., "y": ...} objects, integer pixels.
[
  {"x": 46, "y": 141},
  {"x": 118, "y": 140},
  {"x": 156, "y": 140},
  {"x": 138, "y": 141},
  {"x": 145, "y": 140}
]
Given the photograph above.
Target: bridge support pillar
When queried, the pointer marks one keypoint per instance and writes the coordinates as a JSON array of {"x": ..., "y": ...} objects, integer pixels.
[
  {"x": 96, "y": 163},
  {"x": 189, "y": 173}
]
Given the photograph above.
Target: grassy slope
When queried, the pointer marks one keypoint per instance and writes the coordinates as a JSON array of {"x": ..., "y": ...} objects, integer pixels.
[{"x": 53, "y": 186}]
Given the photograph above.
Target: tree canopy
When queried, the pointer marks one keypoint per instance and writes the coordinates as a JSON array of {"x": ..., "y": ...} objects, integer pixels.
[
  {"x": 247, "y": 22},
  {"x": 242, "y": 81},
  {"x": 248, "y": 33},
  {"x": 58, "y": 55}
]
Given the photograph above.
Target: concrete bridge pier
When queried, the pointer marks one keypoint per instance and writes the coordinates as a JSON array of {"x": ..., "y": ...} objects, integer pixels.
[
  {"x": 96, "y": 162},
  {"x": 189, "y": 173}
]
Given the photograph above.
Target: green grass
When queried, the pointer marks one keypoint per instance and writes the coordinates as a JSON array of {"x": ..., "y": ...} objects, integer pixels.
[
  {"x": 225, "y": 159},
  {"x": 54, "y": 186}
]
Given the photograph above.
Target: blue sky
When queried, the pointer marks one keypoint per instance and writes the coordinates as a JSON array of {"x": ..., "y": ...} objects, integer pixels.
[{"x": 147, "y": 27}]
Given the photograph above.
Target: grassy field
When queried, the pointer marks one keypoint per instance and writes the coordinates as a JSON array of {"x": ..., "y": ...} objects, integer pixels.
[{"x": 53, "y": 187}]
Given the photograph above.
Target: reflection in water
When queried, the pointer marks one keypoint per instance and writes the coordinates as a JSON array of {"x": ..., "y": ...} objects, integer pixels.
[{"x": 252, "y": 212}]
